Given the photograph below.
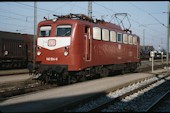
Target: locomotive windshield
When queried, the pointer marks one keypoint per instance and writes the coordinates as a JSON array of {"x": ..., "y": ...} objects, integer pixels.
[
  {"x": 45, "y": 31},
  {"x": 63, "y": 30}
]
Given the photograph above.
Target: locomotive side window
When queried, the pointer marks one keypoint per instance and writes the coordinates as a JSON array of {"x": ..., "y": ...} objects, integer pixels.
[
  {"x": 45, "y": 31},
  {"x": 63, "y": 30},
  {"x": 105, "y": 34},
  {"x": 125, "y": 38},
  {"x": 119, "y": 37},
  {"x": 113, "y": 36},
  {"x": 134, "y": 40},
  {"x": 96, "y": 33},
  {"x": 130, "y": 39}
]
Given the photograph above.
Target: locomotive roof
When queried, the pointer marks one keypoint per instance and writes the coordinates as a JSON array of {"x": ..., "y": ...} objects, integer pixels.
[{"x": 85, "y": 19}]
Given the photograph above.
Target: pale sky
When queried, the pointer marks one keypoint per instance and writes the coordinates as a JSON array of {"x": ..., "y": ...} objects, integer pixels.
[{"x": 148, "y": 16}]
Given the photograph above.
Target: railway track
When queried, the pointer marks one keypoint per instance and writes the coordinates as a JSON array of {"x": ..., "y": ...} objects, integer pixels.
[
  {"x": 100, "y": 101},
  {"x": 55, "y": 98},
  {"x": 26, "y": 71},
  {"x": 13, "y": 72},
  {"x": 17, "y": 88},
  {"x": 23, "y": 87},
  {"x": 161, "y": 104}
]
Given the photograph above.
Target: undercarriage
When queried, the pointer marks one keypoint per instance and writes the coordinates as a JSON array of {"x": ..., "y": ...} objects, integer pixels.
[{"x": 59, "y": 73}]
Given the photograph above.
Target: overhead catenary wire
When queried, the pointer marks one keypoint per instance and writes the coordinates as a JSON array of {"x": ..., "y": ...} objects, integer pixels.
[
  {"x": 109, "y": 11},
  {"x": 148, "y": 14},
  {"x": 37, "y": 7},
  {"x": 70, "y": 4},
  {"x": 11, "y": 12},
  {"x": 129, "y": 18},
  {"x": 157, "y": 20},
  {"x": 15, "y": 25},
  {"x": 19, "y": 19}
]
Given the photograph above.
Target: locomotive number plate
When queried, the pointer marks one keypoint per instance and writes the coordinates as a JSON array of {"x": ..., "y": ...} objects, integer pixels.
[{"x": 52, "y": 58}]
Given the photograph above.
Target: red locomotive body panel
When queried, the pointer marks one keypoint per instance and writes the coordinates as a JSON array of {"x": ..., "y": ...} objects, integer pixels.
[{"x": 103, "y": 52}]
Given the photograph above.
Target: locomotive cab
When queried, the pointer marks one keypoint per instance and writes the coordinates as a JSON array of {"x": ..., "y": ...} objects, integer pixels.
[{"x": 53, "y": 44}]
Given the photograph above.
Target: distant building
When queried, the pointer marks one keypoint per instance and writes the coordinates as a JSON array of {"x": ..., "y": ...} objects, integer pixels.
[{"x": 148, "y": 48}]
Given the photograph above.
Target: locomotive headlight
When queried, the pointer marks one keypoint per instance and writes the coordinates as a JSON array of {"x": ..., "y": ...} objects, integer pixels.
[
  {"x": 65, "y": 53},
  {"x": 38, "y": 53}
]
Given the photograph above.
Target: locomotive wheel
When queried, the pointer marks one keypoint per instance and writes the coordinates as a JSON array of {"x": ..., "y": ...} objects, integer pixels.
[
  {"x": 79, "y": 78},
  {"x": 123, "y": 71},
  {"x": 133, "y": 68},
  {"x": 104, "y": 72},
  {"x": 47, "y": 79},
  {"x": 43, "y": 78},
  {"x": 90, "y": 73},
  {"x": 73, "y": 79},
  {"x": 63, "y": 78}
]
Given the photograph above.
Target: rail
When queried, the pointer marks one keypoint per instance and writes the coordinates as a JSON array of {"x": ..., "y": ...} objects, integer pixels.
[
  {"x": 159, "y": 102},
  {"x": 98, "y": 108}
]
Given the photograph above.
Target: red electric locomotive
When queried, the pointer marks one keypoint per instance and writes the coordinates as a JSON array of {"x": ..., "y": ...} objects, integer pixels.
[{"x": 74, "y": 47}]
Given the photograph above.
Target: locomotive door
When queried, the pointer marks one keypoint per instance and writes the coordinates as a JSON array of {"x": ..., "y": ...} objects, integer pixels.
[{"x": 88, "y": 44}]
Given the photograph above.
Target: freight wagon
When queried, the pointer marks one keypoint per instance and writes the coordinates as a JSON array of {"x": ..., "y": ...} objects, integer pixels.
[{"x": 15, "y": 50}]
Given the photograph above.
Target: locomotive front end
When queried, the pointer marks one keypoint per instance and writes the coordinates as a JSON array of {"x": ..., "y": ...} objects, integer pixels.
[{"x": 53, "y": 50}]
